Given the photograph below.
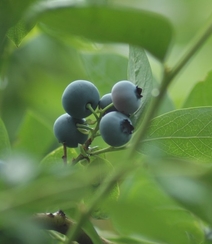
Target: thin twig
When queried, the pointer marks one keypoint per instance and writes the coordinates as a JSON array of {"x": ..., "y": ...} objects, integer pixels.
[{"x": 64, "y": 157}]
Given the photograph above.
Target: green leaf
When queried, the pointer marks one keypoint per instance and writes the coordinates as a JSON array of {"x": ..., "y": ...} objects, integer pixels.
[
  {"x": 10, "y": 13},
  {"x": 139, "y": 72},
  {"x": 35, "y": 136},
  {"x": 55, "y": 157},
  {"x": 201, "y": 94},
  {"x": 109, "y": 24},
  {"x": 144, "y": 210},
  {"x": 185, "y": 133},
  {"x": 5, "y": 148},
  {"x": 17, "y": 32}
]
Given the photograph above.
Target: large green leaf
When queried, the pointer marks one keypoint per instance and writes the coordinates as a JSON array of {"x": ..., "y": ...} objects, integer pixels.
[
  {"x": 55, "y": 157},
  {"x": 201, "y": 94},
  {"x": 139, "y": 72},
  {"x": 5, "y": 147},
  {"x": 109, "y": 24},
  {"x": 185, "y": 133}
]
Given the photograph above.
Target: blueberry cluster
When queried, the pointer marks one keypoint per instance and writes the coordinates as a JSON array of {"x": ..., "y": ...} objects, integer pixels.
[
  {"x": 75, "y": 98},
  {"x": 81, "y": 98}
]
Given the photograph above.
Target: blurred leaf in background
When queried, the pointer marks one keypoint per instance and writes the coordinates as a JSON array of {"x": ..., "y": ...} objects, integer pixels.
[
  {"x": 5, "y": 147},
  {"x": 34, "y": 136},
  {"x": 103, "y": 23},
  {"x": 200, "y": 95},
  {"x": 17, "y": 32},
  {"x": 36, "y": 78}
]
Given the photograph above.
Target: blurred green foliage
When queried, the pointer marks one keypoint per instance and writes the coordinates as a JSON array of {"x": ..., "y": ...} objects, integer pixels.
[{"x": 165, "y": 190}]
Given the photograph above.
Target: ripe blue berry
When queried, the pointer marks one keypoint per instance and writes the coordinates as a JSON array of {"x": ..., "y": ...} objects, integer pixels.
[
  {"x": 66, "y": 131},
  {"x": 105, "y": 101},
  {"x": 77, "y": 95},
  {"x": 126, "y": 96},
  {"x": 116, "y": 129}
]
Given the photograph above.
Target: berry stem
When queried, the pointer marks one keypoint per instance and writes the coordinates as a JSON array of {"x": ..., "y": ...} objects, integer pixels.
[
  {"x": 84, "y": 127},
  {"x": 64, "y": 157},
  {"x": 77, "y": 159},
  {"x": 88, "y": 106},
  {"x": 107, "y": 149},
  {"x": 106, "y": 108},
  {"x": 87, "y": 144}
]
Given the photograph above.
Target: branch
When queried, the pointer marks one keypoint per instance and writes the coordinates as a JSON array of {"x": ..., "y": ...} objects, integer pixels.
[{"x": 59, "y": 222}]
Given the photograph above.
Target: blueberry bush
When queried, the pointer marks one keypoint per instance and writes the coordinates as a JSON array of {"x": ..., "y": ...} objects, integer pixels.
[{"x": 105, "y": 122}]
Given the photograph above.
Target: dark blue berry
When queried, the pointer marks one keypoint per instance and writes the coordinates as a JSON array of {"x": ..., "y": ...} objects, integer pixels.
[
  {"x": 66, "y": 132},
  {"x": 126, "y": 96},
  {"x": 77, "y": 95},
  {"x": 105, "y": 101},
  {"x": 116, "y": 129}
]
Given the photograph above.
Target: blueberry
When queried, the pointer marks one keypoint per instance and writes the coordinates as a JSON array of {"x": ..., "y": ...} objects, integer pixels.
[
  {"x": 116, "y": 129},
  {"x": 77, "y": 95},
  {"x": 66, "y": 131},
  {"x": 105, "y": 101},
  {"x": 126, "y": 96}
]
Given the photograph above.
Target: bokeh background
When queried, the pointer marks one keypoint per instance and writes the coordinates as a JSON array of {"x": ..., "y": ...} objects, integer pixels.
[{"x": 32, "y": 79}]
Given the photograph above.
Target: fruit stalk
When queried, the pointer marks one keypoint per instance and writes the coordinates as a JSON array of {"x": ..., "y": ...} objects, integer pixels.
[
  {"x": 107, "y": 149},
  {"x": 64, "y": 157}
]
